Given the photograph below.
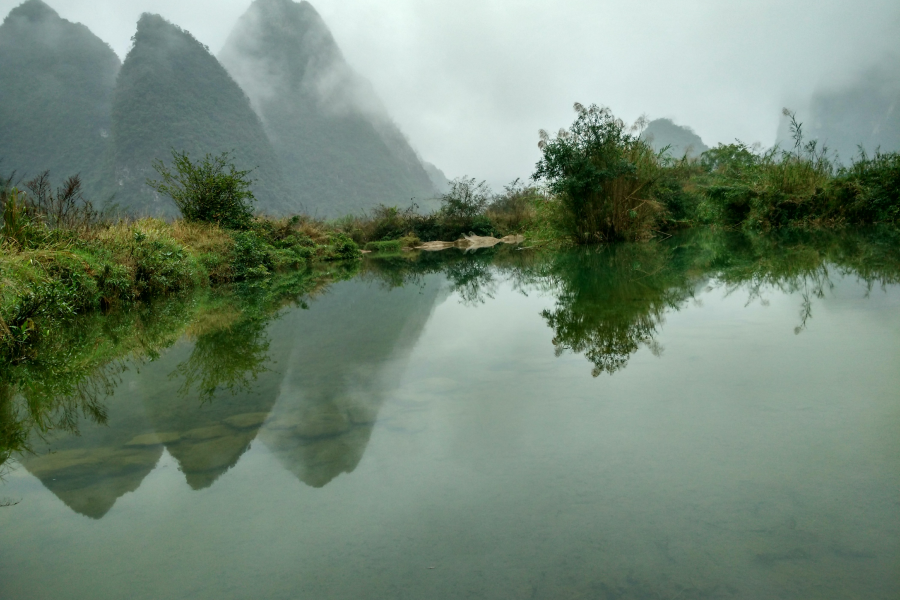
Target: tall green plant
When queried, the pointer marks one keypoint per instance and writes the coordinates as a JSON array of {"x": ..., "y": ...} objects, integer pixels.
[
  {"x": 16, "y": 222},
  {"x": 604, "y": 176},
  {"x": 211, "y": 190},
  {"x": 868, "y": 191},
  {"x": 767, "y": 189}
]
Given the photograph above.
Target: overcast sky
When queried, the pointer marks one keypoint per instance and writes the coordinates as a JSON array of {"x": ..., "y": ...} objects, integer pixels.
[{"x": 471, "y": 81}]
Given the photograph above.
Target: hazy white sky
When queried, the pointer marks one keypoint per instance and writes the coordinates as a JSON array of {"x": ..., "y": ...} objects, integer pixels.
[{"x": 471, "y": 81}]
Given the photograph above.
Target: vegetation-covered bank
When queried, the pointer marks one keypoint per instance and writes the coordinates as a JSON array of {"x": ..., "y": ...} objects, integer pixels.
[
  {"x": 600, "y": 181},
  {"x": 59, "y": 257},
  {"x": 597, "y": 182}
]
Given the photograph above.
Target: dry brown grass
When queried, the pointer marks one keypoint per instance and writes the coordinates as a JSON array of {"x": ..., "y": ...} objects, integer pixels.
[
  {"x": 202, "y": 237},
  {"x": 123, "y": 231},
  {"x": 315, "y": 230}
]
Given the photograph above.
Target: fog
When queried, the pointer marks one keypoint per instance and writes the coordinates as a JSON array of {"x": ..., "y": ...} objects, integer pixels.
[{"x": 471, "y": 82}]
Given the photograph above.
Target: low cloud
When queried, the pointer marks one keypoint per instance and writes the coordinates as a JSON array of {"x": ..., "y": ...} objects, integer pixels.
[{"x": 471, "y": 81}]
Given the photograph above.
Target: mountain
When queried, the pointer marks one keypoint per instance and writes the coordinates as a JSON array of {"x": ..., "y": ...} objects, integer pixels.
[
  {"x": 438, "y": 179},
  {"x": 865, "y": 112},
  {"x": 680, "y": 139},
  {"x": 56, "y": 88},
  {"x": 172, "y": 93},
  {"x": 338, "y": 148}
]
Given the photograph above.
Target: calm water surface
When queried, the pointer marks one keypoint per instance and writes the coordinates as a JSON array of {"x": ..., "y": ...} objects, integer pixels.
[{"x": 700, "y": 418}]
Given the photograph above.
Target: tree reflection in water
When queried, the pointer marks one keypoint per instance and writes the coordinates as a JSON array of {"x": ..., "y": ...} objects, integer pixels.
[{"x": 611, "y": 301}]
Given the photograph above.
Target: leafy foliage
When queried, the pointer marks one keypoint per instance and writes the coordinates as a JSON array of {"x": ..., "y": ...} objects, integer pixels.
[
  {"x": 868, "y": 191},
  {"x": 603, "y": 175},
  {"x": 466, "y": 199},
  {"x": 743, "y": 186},
  {"x": 212, "y": 190},
  {"x": 469, "y": 206}
]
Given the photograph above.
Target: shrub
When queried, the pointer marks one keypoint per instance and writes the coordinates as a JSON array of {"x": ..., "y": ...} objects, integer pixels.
[
  {"x": 65, "y": 208},
  {"x": 868, "y": 191},
  {"x": 513, "y": 210},
  {"x": 762, "y": 190},
  {"x": 250, "y": 256},
  {"x": 16, "y": 225},
  {"x": 211, "y": 190},
  {"x": 604, "y": 176},
  {"x": 161, "y": 265},
  {"x": 410, "y": 241},
  {"x": 343, "y": 247},
  {"x": 385, "y": 246},
  {"x": 466, "y": 199}
]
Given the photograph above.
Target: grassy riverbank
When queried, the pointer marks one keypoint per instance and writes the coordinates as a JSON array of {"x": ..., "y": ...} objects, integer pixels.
[
  {"x": 599, "y": 181},
  {"x": 53, "y": 268}
]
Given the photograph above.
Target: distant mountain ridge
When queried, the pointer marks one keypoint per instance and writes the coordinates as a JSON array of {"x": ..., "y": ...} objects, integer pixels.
[
  {"x": 172, "y": 93},
  {"x": 56, "y": 88},
  {"x": 865, "y": 113},
  {"x": 680, "y": 140},
  {"x": 339, "y": 149},
  {"x": 289, "y": 107}
]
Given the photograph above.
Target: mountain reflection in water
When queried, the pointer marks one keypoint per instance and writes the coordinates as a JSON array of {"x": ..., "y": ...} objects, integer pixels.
[
  {"x": 316, "y": 389},
  {"x": 308, "y": 381}
]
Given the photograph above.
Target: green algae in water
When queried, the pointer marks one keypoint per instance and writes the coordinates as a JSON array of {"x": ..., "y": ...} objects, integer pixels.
[{"x": 713, "y": 416}]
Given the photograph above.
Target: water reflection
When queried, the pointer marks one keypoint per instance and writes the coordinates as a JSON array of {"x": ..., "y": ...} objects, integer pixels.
[
  {"x": 341, "y": 360},
  {"x": 91, "y": 416},
  {"x": 304, "y": 365},
  {"x": 69, "y": 425},
  {"x": 311, "y": 378},
  {"x": 611, "y": 301}
]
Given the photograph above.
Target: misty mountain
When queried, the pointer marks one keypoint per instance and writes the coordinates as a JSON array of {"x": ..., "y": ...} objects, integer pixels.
[
  {"x": 172, "y": 93},
  {"x": 338, "y": 148},
  {"x": 438, "y": 180},
  {"x": 680, "y": 139},
  {"x": 865, "y": 113},
  {"x": 56, "y": 88}
]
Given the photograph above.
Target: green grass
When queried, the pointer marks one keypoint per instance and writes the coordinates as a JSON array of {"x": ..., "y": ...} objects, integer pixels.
[
  {"x": 384, "y": 247},
  {"x": 48, "y": 274}
]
